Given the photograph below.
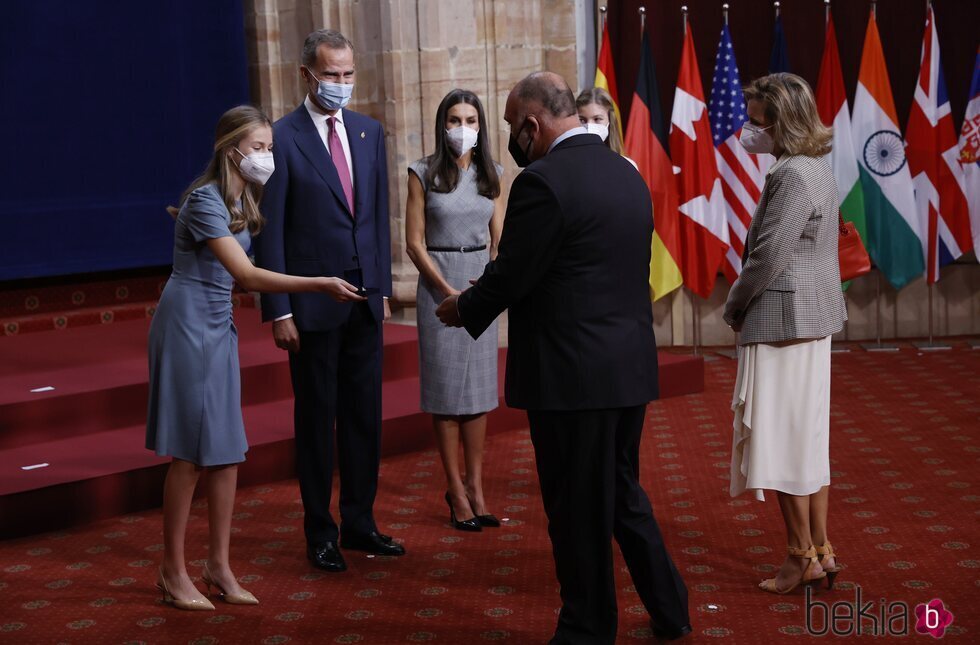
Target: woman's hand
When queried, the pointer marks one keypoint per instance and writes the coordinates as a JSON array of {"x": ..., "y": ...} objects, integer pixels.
[
  {"x": 339, "y": 290},
  {"x": 449, "y": 292}
]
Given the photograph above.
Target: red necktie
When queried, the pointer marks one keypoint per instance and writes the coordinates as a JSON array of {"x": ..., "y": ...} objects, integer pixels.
[{"x": 340, "y": 162}]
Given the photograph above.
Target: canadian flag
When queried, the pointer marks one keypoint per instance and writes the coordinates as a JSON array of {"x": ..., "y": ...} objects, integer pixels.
[{"x": 703, "y": 225}]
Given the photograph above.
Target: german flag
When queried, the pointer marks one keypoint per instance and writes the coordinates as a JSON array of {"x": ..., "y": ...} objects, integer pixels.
[{"x": 646, "y": 144}]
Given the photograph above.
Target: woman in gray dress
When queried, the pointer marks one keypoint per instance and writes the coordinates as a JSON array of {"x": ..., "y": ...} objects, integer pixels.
[
  {"x": 453, "y": 221},
  {"x": 195, "y": 413}
]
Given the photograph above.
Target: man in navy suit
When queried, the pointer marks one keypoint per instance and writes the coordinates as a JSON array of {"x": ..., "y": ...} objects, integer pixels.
[
  {"x": 327, "y": 211},
  {"x": 572, "y": 270}
]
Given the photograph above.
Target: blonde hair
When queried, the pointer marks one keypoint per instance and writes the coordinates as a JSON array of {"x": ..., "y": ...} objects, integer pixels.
[
  {"x": 233, "y": 126},
  {"x": 601, "y": 97},
  {"x": 792, "y": 110}
]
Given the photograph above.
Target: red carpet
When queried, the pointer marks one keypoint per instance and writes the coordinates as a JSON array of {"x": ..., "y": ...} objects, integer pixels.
[
  {"x": 75, "y": 400},
  {"x": 905, "y": 506}
]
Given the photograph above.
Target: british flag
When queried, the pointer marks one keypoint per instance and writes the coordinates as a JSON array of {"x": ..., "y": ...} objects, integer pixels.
[
  {"x": 933, "y": 156},
  {"x": 742, "y": 174}
]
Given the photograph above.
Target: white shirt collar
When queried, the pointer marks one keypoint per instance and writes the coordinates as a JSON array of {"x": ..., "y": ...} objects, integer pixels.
[
  {"x": 567, "y": 134},
  {"x": 318, "y": 115}
]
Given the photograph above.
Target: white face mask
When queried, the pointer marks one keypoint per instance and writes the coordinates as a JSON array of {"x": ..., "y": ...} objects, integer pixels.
[
  {"x": 257, "y": 167},
  {"x": 755, "y": 139},
  {"x": 598, "y": 128},
  {"x": 461, "y": 139}
]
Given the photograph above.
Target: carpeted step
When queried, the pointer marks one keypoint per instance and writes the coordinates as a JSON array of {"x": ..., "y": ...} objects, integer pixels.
[
  {"x": 99, "y": 376},
  {"x": 100, "y": 474},
  {"x": 100, "y": 315}
]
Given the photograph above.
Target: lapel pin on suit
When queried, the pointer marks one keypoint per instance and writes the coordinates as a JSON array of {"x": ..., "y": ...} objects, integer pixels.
[{"x": 362, "y": 135}]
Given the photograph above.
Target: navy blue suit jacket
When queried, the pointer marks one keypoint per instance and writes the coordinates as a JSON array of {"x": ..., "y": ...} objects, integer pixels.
[{"x": 309, "y": 229}]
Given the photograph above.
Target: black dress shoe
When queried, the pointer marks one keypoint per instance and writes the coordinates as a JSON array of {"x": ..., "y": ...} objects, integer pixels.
[
  {"x": 472, "y": 524},
  {"x": 373, "y": 542},
  {"x": 664, "y": 634},
  {"x": 488, "y": 520},
  {"x": 326, "y": 556}
]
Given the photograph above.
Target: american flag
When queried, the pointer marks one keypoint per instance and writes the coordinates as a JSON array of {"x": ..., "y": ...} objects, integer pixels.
[{"x": 742, "y": 174}]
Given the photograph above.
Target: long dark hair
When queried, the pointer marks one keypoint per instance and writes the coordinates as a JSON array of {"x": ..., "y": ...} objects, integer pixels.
[
  {"x": 233, "y": 126},
  {"x": 443, "y": 173}
]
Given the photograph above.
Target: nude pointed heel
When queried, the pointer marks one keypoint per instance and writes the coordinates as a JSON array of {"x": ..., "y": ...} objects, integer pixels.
[
  {"x": 807, "y": 577},
  {"x": 196, "y": 604},
  {"x": 243, "y": 598}
]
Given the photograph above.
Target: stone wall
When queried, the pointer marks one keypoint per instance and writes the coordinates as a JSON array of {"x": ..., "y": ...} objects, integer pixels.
[{"x": 408, "y": 55}]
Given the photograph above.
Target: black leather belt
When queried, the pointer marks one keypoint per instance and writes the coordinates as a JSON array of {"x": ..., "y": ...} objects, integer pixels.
[{"x": 456, "y": 249}]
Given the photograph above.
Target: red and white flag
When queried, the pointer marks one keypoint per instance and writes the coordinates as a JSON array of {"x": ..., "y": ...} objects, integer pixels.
[
  {"x": 703, "y": 226},
  {"x": 933, "y": 154},
  {"x": 834, "y": 111},
  {"x": 969, "y": 156}
]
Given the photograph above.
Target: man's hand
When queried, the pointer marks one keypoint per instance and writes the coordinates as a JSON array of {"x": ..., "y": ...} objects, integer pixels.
[
  {"x": 285, "y": 334},
  {"x": 387, "y": 309},
  {"x": 448, "y": 313}
]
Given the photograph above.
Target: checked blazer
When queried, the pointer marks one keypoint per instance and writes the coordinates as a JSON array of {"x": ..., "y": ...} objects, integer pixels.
[{"x": 789, "y": 287}]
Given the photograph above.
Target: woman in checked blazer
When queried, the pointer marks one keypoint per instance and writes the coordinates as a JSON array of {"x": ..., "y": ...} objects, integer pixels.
[{"x": 786, "y": 304}]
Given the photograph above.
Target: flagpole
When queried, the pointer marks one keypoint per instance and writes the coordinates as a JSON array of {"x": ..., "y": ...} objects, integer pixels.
[
  {"x": 931, "y": 346},
  {"x": 695, "y": 305},
  {"x": 602, "y": 26},
  {"x": 643, "y": 20},
  {"x": 776, "y": 6},
  {"x": 878, "y": 346},
  {"x": 836, "y": 348},
  {"x": 729, "y": 353}
]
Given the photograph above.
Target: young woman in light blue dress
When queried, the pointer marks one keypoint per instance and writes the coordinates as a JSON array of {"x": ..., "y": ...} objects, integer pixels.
[
  {"x": 195, "y": 413},
  {"x": 453, "y": 220}
]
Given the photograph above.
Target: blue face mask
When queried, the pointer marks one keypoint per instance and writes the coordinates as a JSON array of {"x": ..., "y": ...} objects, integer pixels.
[{"x": 333, "y": 96}]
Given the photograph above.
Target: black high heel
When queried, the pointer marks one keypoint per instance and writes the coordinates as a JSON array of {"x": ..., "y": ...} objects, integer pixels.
[
  {"x": 488, "y": 520},
  {"x": 471, "y": 524}
]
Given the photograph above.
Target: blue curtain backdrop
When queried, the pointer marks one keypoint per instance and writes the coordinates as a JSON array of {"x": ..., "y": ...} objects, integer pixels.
[{"x": 108, "y": 112}]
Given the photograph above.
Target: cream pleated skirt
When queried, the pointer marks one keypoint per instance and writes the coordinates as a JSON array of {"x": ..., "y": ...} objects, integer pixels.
[{"x": 781, "y": 437}]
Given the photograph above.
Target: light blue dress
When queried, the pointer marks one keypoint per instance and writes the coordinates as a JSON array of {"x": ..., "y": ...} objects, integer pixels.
[{"x": 195, "y": 411}]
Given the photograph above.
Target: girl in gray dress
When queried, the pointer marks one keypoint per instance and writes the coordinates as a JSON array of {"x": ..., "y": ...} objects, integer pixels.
[
  {"x": 195, "y": 411},
  {"x": 454, "y": 213}
]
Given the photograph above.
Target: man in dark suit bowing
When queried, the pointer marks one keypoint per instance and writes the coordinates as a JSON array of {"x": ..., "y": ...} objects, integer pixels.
[
  {"x": 327, "y": 211},
  {"x": 572, "y": 269}
]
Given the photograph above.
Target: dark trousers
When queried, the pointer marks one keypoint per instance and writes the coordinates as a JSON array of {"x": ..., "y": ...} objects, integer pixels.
[
  {"x": 588, "y": 466},
  {"x": 337, "y": 383}
]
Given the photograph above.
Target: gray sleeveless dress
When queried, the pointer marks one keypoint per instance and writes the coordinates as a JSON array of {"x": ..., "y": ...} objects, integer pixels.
[
  {"x": 195, "y": 410},
  {"x": 458, "y": 374}
]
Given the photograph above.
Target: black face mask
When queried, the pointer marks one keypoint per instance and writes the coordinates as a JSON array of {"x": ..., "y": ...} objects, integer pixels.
[{"x": 519, "y": 154}]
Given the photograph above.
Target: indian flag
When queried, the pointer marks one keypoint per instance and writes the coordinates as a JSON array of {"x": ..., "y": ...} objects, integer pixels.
[{"x": 893, "y": 236}]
